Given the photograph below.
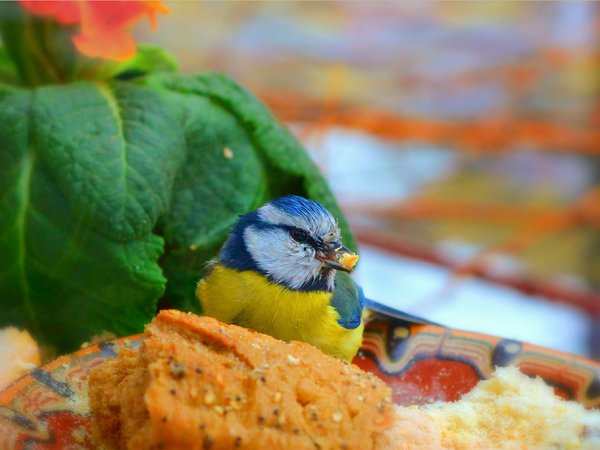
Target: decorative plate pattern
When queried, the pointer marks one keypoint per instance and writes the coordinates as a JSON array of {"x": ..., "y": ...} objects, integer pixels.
[
  {"x": 425, "y": 363},
  {"x": 47, "y": 409}
]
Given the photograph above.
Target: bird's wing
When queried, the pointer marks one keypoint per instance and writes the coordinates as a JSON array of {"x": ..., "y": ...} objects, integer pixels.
[
  {"x": 389, "y": 311},
  {"x": 348, "y": 300}
]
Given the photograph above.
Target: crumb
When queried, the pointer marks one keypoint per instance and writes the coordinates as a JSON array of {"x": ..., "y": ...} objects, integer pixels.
[{"x": 348, "y": 260}]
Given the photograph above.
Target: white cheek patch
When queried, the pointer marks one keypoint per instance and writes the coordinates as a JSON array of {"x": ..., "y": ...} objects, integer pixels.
[{"x": 288, "y": 262}]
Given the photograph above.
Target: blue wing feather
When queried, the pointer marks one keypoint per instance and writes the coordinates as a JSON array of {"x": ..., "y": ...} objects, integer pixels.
[{"x": 348, "y": 300}]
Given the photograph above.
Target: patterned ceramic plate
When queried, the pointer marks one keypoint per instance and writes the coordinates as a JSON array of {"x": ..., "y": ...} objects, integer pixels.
[{"x": 48, "y": 409}]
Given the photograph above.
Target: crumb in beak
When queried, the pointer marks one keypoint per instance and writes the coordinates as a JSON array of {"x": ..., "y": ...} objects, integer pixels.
[{"x": 348, "y": 260}]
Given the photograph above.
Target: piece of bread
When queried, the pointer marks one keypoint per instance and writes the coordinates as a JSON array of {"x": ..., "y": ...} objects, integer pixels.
[
  {"x": 19, "y": 353},
  {"x": 508, "y": 411},
  {"x": 196, "y": 383}
]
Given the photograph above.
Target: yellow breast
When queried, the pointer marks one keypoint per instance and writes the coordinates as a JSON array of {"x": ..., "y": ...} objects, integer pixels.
[{"x": 249, "y": 299}]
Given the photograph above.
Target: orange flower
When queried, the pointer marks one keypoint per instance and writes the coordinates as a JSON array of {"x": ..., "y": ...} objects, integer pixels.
[{"x": 104, "y": 24}]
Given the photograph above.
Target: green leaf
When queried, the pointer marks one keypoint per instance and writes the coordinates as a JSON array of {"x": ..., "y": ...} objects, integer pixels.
[
  {"x": 85, "y": 170},
  {"x": 238, "y": 157},
  {"x": 114, "y": 151},
  {"x": 148, "y": 59},
  {"x": 95, "y": 177}
]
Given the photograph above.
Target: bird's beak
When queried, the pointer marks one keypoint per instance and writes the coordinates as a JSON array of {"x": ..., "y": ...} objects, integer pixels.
[{"x": 334, "y": 252}]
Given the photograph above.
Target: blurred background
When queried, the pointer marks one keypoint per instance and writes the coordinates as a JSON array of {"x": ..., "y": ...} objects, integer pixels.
[{"x": 461, "y": 139}]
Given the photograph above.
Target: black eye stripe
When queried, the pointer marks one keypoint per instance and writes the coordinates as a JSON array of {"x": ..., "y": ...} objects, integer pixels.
[{"x": 317, "y": 244}]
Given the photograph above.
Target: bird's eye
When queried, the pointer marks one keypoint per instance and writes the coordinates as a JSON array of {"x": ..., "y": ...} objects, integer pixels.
[{"x": 300, "y": 235}]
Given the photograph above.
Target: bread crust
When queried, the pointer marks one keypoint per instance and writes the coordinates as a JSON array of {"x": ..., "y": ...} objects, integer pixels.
[{"x": 197, "y": 383}]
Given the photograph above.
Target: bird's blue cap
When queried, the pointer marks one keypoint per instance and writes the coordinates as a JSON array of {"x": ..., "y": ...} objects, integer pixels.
[{"x": 295, "y": 205}]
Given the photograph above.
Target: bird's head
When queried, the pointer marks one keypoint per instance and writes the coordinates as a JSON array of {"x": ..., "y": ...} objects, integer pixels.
[{"x": 293, "y": 241}]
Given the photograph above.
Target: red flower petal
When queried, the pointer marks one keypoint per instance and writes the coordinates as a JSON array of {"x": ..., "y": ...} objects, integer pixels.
[
  {"x": 65, "y": 13},
  {"x": 104, "y": 24},
  {"x": 110, "y": 15},
  {"x": 116, "y": 45}
]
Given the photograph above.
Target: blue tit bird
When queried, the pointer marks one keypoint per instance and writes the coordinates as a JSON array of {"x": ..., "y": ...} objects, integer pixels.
[{"x": 278, "y": 273}]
